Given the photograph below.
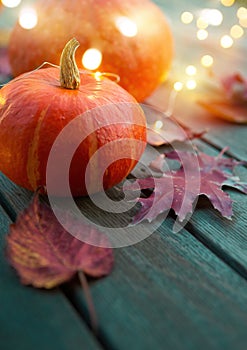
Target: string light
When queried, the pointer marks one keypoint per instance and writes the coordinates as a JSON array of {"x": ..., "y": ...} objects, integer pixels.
[
  {"x": 202, "y": 34},
  {"x": 242, "y": 12},
  {"x": 178, "y": 86},
  {"x": 28, "y": 18},
  {"x": 207, "y": 61},
  {"x": 227, "y": 3},
  {"x": 191, "y": 70},
  {"x": 226, "y": 41},
  {"x": 212, "y": 16},
  {"x": 243, "y": 21},
  {"x": 158, "y": 125},
  {"x": 92, "y": 59},
  {"x": 98, "y": 76},
  {"x": 126, "y": 26},
  {"x": 187, "y": 17},
  {"x": 236, "y": 31},
  {"x": 11, "y": 3},
  {"x": 191, "y": 84},
  {"x": 201, "y": 23}
]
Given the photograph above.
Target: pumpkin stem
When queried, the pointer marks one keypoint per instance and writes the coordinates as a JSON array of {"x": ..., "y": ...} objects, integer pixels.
[{"x": 69, "y": 72}]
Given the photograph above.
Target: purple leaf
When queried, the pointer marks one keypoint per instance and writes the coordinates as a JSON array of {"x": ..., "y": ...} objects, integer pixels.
[
  {"x": 178, "y": 190},
  {"x": 45, "y": 255}
]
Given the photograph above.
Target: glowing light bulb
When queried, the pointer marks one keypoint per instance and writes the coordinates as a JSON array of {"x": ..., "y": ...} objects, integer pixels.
[
  {"x": 207, "y": 61},
  {"x": 226, "y": 41},
  {"x": 201, "y": 23},
  {"x": 191, "y": 70},
  {"x": 202, "y": 34},
  {"x": 178, "y": 86},
  {"x": 187, "y": 17},
  {"x": 191, "y": 84},
  {"x": 11, "y": 3},
  {"x": 158, "y": 125},
  {"x": 212, "y": 16},
  {"x": 92, "y": 59},
  {"x": 227, "y": 3},
  {"x": 98, "y": 76},
  {"x": 126, "y": 26},
  {"x": 28, "y": 18},
  {"x": 242, "y": 12},
  {"x": 243, "y": 21},
  {"x": 237, "y": 31}
]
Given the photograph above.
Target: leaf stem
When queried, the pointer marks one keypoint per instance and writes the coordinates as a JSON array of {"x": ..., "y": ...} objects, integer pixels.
[{"x": 89, "y": 301}]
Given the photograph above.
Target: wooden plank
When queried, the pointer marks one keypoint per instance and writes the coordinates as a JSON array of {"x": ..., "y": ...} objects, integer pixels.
[
  {"x": 227, "y": 237},
  {"x": 170, "y": 292},
  {"x": 167, "y": 291},
  {"x": 36, "y": 319}
]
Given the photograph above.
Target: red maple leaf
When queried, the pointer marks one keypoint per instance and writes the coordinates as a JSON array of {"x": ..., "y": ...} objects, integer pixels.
[{"x": 178, "y": 189}]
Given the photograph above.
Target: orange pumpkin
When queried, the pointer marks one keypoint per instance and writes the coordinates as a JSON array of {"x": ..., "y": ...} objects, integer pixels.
[
  {"x": 36, "y": 107},
  {"x": 133, "y": 36}
]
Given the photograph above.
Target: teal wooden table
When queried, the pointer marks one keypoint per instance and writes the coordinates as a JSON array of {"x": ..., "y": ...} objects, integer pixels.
[{"x": 171, "y": 291}]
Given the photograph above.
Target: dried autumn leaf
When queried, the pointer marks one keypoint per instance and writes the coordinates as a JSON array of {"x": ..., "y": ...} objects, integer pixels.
[
  {"x": 164, "y": 129},
  {"x": 229, "y": 101},
  {"x": 171, "y": 132},
  {"x": 45, "y": 255},
  {"x": 177, "y": 190}
]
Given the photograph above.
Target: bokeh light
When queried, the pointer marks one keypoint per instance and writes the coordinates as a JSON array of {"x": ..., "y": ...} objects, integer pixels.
[
  {"x": 28, "y": 18},
  {"x": 201, "y": 23},
  {"x": 207, "y": 61},
  {"x": 202, "y": 34},
  {"x": 92, "y": 59},
  {"x": 236, "y": 31},
  {"x": 158, "y": 125},
  {"x": 191, "y": 70},
  {"x": 191, "y": 84},
  {"x": 227, "y": 3},
  {"x": 11, "y": 3},
  {"x": 126, "y": 26},
  {"x": 187, "y": 17},
  {"x": 212, "y": 16},
  {"x": 178, "y": 86},
  {"x": 226, "y": 41}
]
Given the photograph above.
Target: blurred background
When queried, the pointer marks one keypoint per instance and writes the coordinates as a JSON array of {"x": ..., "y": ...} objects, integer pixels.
[{"x": 206, "y": 33}]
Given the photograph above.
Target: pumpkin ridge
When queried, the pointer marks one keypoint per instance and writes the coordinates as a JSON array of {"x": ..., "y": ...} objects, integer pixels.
[{"x": 33, "y": 162}]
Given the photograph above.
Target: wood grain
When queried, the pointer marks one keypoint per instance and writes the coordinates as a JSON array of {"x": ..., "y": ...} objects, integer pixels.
[{"x": 167, "y": 291}]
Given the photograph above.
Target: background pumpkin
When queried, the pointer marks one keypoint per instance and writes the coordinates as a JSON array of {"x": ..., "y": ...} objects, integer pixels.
[
  {"x": 34, "y": 109},
  {"x": 141, "y": 61}
]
